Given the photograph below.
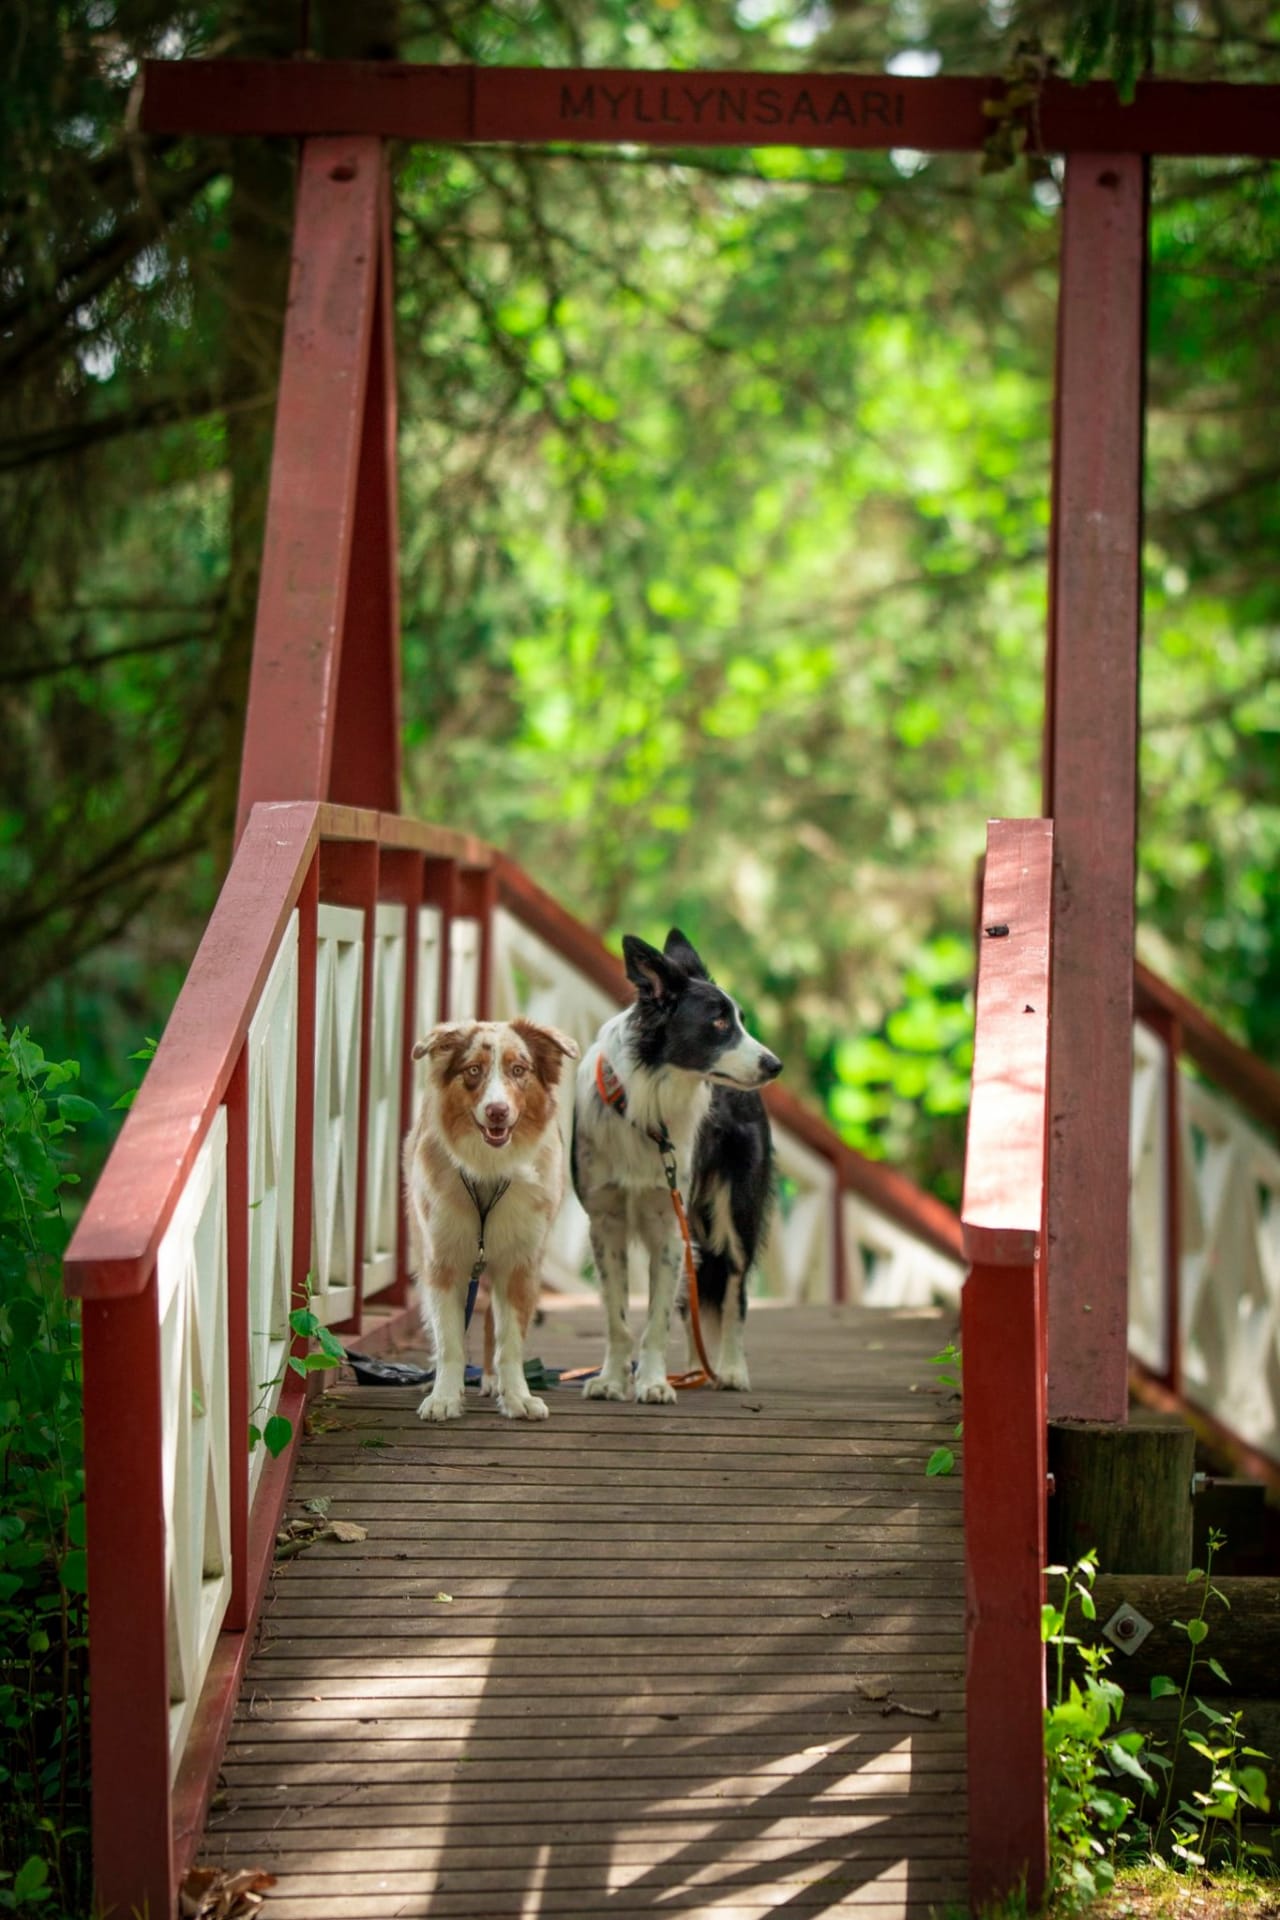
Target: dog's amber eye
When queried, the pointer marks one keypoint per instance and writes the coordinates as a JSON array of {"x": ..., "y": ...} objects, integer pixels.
[
  {"x": 473, "y": 1074},
  {"x": 518, "y": 1070},
  {"x": 721, "y": 1026}
]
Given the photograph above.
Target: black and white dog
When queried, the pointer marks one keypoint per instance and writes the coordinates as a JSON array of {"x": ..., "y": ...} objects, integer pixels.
[{"x": 677, "y": 1065}]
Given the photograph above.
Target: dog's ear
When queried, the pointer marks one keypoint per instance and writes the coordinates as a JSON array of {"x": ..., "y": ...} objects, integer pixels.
[
  {"x": 682, "y": 951},
  {"x": 550, "y": 1049},
  {"x": 450, "y": 1034},
  {"x": 653, "y": 975}
]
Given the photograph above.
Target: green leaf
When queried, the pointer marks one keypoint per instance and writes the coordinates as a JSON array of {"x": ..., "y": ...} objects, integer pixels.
[
  {"x": 941, "y": 1460},
  {"x": 1214, "y": 1668},
  {"x": 1252, "y": 1782},
  {"x": 1162, "y": 1686},
  {"x": 304, "y": 1322},
  {"x": 277, "y": 1434},
  {"x": 29, "y": 1883},
  {"x": 1197, "y": 1631},
  {"x": 1127, "y": 1762},
  {"x": 75, "y": 1571},
  {"x": 74, "y": 1106}
]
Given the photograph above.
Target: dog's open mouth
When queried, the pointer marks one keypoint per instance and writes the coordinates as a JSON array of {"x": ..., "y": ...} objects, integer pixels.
[{"x": 495, "y": 1136}]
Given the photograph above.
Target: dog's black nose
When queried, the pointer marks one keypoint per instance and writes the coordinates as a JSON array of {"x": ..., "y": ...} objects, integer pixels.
[{"x": 770, "y": 1066}]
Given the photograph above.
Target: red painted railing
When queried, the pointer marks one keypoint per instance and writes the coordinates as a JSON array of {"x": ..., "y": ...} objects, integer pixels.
[
  {"x": 234, "y": 1180},
  {"x": 1003, "y": 1352}
]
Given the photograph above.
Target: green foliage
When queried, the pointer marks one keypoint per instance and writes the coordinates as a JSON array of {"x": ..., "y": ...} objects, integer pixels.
[
  {"x": 1085, "y": 1753},
  {"x": 43, "y": 1756},
  {"x": 1208, "y": 1829},
  {"x": 942, "y": 1459},
  {"x": 277, "y": 1430}
]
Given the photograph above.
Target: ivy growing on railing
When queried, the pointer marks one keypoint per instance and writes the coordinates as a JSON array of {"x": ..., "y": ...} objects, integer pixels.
[{"x": 44, "y": 1775}]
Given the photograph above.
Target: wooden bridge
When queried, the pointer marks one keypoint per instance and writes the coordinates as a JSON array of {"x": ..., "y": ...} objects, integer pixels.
[
  {"x": 708, "y": 1662},
  {"x": 710, "y": 1658}
]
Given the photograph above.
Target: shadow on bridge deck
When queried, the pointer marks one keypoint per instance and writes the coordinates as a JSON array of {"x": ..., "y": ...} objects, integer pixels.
[{"x": 705, "y": 1659}]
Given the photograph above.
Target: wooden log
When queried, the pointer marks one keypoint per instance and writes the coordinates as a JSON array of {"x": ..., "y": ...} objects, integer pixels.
[
  {"x": 1125, "y": 1491},
  {"x": 1243, "y": 1636}
]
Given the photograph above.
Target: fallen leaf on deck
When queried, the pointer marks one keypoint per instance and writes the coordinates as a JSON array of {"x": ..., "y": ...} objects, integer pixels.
[
  {"x": 209, "y": 1893},
  {"x": 347, "y": 1530}
]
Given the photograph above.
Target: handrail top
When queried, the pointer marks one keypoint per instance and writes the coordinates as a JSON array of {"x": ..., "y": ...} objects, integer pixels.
[{"x": 1002, "y": 1209}]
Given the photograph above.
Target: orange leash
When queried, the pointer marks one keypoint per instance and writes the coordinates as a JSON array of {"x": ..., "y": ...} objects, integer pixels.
[{"x": 614, "y": 1094}]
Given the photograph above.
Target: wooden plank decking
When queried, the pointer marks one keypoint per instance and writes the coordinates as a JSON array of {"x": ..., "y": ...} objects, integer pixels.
[{"x": 705, "y": 1659}]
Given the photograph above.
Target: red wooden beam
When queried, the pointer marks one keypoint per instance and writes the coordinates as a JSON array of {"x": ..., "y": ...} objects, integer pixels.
[
  {"x": 457, "y": 104},
  {"x": 1091, "y": 775},
  {"x": 1002, "y": 1336},
  {"x": 294, "y": 716}
]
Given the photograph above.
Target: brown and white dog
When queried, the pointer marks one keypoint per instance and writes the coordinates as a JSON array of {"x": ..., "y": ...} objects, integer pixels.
[{"x": 484, "y": 1174}]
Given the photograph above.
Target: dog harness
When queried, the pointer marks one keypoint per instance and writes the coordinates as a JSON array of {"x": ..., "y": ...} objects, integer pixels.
[
  {"x": 483, "y": 1210},
  {"x": 614, "y": 1094}
]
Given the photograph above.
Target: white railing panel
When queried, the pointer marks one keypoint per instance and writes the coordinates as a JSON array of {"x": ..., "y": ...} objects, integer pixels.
[
  {"x": 272, "y": 1049},
  {"x": 1148, "y": 1225},
  {"x": 888, "y": 1266},
  {"x": 464, "y": 970},
  {"x": 799, "y": 1260},
  {"x": 1230, "y": 1267},
  {"x": 191, "y": 1276},
  {"x": 530, "y": 979},
  {"x": 336, "y": 1128},
  {"x": 385, "y": 1128}
]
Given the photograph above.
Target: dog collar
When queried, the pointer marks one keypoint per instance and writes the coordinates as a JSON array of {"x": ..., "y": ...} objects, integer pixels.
[{"x": 614, "y": 1094}]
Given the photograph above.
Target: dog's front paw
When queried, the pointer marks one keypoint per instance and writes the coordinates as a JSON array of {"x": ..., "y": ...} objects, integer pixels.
[
  {"x": 733, "y": 1375},
  {"x": 441, "y": 1406},
  {"x": 489, "y": 1384},
  {"x": 657, "y": 1392},
  {"x": 523, "y": 1406},
  {"x": 606, "y": 1386}
]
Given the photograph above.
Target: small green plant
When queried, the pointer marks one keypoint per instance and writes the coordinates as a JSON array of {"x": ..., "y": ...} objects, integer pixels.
[
  {"x": 43, "y": 1679},
  {"x": 277, "y": 1431},
  {"x": 1211, "y": 1824},
  {"x": 943, "y": 1459},
  {"x": 1084, "y": 1752}
]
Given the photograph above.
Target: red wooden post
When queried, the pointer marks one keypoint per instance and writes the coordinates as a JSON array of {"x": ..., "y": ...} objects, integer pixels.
[
  {"x": 294, "y": 717},
  {"x": 366, "y": 749},
  {"x": 1005, "y": 1444},
  {"x": 128, "y": 1668},
  {"x": 1092, "y": 711}
]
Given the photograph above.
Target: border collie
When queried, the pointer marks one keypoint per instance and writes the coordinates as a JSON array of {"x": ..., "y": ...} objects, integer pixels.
[
  {"x": 484, "y": 1174},
  {"x": 679, "y": 1064}
]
